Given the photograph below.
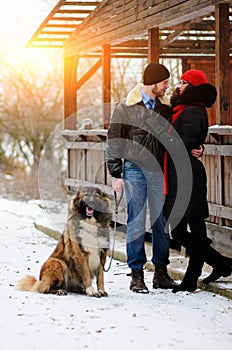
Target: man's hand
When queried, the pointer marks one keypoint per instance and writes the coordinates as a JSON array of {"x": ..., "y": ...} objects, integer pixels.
[
  {"x": 197, "y": 152},
  {"x": 118, "y": 185}
]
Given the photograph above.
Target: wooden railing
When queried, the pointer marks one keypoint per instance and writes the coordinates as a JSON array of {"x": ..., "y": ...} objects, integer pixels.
[
  {"x": 218, "y": 163},
  {"x": 86, "y": 165}
]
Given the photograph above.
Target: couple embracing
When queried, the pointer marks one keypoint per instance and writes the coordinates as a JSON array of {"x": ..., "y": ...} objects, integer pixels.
[{"x": 152, "y": 154}]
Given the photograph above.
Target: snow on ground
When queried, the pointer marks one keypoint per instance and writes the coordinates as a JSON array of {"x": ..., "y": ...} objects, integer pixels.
[{"x": 124, "y": 320}]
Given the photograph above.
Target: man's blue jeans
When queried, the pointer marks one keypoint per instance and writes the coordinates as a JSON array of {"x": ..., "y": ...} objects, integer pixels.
[{"x": 140, "y": 187}]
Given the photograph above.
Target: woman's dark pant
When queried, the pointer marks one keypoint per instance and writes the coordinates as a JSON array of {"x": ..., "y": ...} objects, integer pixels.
[{"x": 197, "y": 243}]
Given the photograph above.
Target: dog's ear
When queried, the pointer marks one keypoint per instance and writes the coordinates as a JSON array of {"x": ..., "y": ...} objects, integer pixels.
[
  {"x": 101, "y": 193},
  {"x": 75, "y": 197},
  {"x": 79, "y": 191}
]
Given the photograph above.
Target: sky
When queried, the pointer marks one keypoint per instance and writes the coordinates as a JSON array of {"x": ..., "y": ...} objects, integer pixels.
[
  {"x": 124, "y": 320},
  {"x": 19, "y": 19}
]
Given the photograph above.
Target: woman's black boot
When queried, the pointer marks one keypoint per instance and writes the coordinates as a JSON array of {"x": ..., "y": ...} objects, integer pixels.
[
  {"x": 222, "y": 270},
  {"x": 186, "y": 286},
  {"x": 189, "y": 282}
]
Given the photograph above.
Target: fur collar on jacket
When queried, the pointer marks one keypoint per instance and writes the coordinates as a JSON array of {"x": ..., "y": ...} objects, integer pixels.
[
  {"x": 135, "y": 96},
  {"x": 203, "y": 94}
]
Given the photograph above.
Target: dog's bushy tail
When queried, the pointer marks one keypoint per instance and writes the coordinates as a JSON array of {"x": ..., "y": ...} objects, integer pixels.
[{"x": 31, "y": 284}]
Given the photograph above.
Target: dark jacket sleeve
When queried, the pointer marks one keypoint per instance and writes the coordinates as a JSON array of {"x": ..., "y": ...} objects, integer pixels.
[{"x": 114, "y": 146}]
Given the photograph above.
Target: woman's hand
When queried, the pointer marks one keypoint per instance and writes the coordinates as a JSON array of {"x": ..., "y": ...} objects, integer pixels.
[{"x": 198, "y": 152}]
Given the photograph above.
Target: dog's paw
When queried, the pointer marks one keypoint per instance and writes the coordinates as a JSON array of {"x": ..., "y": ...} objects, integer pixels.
[
  {"x": 91, "y": 292},
  {"x": 58, "y": 291},
  {"x": 102, "y": 293}
]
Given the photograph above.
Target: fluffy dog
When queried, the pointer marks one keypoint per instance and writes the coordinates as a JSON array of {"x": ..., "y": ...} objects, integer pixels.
[{"x": 81, "y": 251}]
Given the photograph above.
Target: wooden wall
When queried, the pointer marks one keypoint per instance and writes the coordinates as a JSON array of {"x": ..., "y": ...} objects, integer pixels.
[
  {"x": 207, "y": 65},
  {"x": 87, "y": 167},
  {"x": 218, "y": 163}
]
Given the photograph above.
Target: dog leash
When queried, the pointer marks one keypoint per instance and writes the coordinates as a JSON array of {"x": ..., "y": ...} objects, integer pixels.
[{"x": 117, "y": 203}]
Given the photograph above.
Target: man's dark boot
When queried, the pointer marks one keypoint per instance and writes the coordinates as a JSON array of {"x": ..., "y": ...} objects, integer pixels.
[
  {"x": 222, "y": 270},
  {"x": 137, "y": 284},
  {"x": 161, "y": 279}
]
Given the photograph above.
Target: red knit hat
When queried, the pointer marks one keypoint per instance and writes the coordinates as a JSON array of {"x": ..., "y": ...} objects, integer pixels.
[{"x": 194, "y": 77}]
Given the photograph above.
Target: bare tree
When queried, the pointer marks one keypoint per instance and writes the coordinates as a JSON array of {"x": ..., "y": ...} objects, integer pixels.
[
  {"x": 30, "y": 108},
  {"x": 125, "y": 75}
]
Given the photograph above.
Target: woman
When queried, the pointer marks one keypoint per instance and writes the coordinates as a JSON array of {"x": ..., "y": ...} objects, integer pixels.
[{"x": 190, "y": 120}]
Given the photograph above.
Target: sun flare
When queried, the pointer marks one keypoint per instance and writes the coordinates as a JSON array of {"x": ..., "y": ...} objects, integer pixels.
[{"x": 40, "y": 60}]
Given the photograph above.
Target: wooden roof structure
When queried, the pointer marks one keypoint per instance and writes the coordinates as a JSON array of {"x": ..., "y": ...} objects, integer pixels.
[
  {"x": 185, "y": 27},
  {"x": 64, "y": 18},
  {"x": 154, "y": 29}
]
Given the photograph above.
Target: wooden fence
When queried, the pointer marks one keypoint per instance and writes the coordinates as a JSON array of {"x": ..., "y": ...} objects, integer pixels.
[
  {"x": 86, "y": 165},
  {"x": 218, "y": 163}
]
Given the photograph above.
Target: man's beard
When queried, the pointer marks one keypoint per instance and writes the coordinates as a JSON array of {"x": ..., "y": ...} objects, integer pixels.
[{"x": 157, "y": 92}]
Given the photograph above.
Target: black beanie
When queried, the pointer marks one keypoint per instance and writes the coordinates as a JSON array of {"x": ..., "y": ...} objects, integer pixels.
[{"x": 155, "y": 73}]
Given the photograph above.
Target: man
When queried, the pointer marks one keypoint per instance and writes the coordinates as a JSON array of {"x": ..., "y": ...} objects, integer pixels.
[{"x": 134, "y": 159}]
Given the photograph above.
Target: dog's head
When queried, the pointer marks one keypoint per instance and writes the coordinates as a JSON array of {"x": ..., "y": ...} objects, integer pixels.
[{"x": 91, "y": 202}]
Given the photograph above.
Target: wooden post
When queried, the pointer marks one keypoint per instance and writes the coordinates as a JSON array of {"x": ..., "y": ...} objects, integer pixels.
[
  {"x": 106, "y": 85},
  {"x": 70, "y": 99},
  {"x": 153, "y": 45},
  {"x": 185, "y": 65},
  {"x": 222, "y": 64},
  {"x": 70, "y": 107}
]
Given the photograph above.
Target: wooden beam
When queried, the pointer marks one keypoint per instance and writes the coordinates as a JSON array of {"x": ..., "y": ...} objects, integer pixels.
[
  {"x": 131, "y": 18},
  {"x": 184, "y": 27},
  {"x": 68, "y": 19},
  {"x": 222, "y": 64},
  {"x": 55, "y": 33},
  {"x": 153, "y": 45},
  {"x": 82, "y": 3},
  {"x": 218, "y": 150},
  {"x": 196, "y": 24},
  {"x": 61, "y": 25},
  {"x": 88, "y": 75},
  {"x": 220, "y": 211},
  {"x": 70, "y": 100},
  {"x": 73, "y": 11},
  {"x": 171, "y": 38},
  {"x": 106, "y": 84},
  {"x": 47, "y": 19}
]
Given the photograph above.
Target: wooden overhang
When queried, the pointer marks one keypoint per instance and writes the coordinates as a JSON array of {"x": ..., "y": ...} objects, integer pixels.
[
  {"x": 185, "y": 27},
  {"x": 64, "y": 18},
  {"x": 152, "y": 29}
]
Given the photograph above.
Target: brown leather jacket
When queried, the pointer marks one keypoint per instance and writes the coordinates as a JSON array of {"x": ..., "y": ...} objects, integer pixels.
[{"x": 129, "y": 136}]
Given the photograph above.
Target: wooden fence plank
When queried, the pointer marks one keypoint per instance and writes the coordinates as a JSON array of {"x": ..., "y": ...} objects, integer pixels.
[{"x": 219, "y": 150}]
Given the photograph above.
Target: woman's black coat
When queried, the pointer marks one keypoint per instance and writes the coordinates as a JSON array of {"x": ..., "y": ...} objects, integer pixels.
[{"x": 192, "y": 127}]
